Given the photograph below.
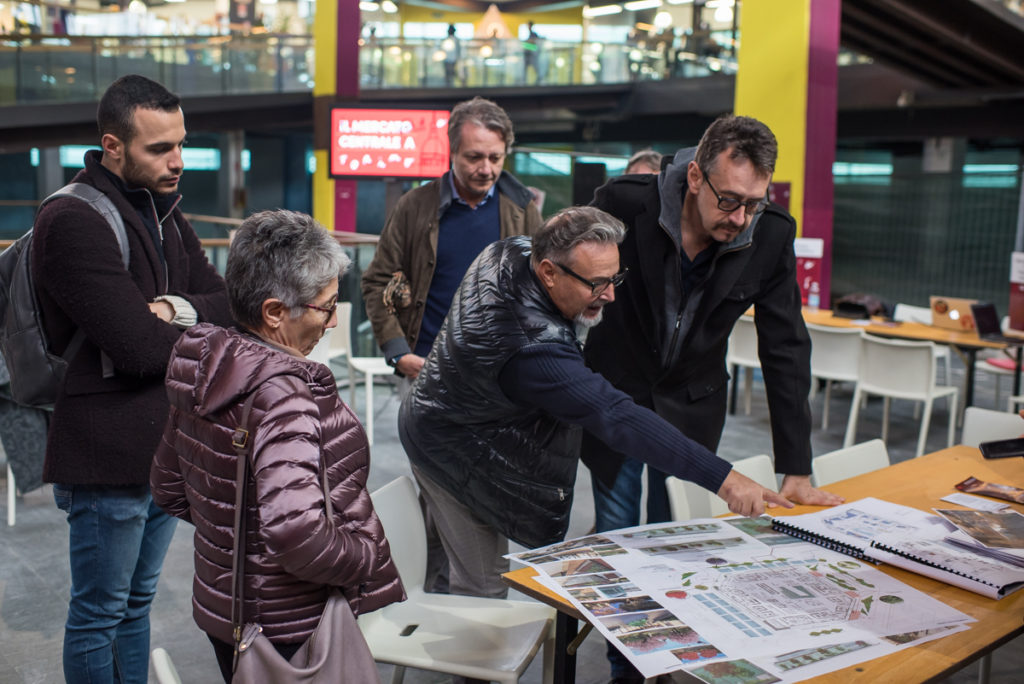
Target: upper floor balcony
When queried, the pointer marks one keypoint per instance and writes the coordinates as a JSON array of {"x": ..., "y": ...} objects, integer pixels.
[{"x": 36, "y": 69}]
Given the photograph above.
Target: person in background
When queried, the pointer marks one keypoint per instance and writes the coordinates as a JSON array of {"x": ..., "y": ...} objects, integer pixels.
[
  {"x": 491, "y": 426},
  {"x": 282, "y": 278},
  {"x": 644, "y": 161},
  {"x": 452, "y": 54},
  {"x": 703, "y": 245},
  {"x": 433, "y": 235},
  {"x": 111, "y": 404},
  {"x": 531, "y": 55}
]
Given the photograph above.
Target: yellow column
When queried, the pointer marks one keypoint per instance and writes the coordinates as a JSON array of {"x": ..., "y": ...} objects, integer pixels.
[
  {"x": 771, "y": 83},
  {"x": 788, "y": 79},
  {"x": 325, "y": 38}
]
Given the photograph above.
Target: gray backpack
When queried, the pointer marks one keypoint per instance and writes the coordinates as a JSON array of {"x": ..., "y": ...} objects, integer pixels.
[{"x": 34, "y": 372}]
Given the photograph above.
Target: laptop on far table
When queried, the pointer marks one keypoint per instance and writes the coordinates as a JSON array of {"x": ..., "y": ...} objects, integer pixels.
[
  {"x": 952, "y": 313},
  {"x": 986, "y": 319}
]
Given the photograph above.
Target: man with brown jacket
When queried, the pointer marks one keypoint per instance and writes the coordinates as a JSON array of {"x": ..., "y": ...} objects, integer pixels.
[{"x": 437, "y": 230}]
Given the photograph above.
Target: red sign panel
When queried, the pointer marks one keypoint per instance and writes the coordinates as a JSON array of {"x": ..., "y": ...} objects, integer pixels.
[{"x": 409, "y": 143}]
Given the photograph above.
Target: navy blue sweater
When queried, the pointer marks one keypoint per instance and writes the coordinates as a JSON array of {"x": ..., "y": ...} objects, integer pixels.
[{"x": 553, "y": 379}]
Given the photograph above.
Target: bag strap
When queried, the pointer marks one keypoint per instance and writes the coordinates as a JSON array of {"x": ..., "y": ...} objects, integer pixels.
[
  {"x": 241, "y": 440},
  {"x": 105, "y": 207}
]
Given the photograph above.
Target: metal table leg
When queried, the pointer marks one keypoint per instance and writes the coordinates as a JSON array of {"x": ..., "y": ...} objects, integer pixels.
[{"x": 566, "y": 628}]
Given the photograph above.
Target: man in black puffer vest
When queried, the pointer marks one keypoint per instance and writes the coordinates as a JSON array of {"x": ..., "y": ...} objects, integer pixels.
[{"x": 493, "y": 422}]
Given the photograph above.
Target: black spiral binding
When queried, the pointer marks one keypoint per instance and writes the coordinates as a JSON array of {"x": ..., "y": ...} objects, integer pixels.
[
  {"x": 780, "y": 525},
  {"x": 931, "y": 564}
]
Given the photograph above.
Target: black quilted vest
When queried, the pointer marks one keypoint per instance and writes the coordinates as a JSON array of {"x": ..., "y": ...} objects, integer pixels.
[{"x": 514, "y": 466}]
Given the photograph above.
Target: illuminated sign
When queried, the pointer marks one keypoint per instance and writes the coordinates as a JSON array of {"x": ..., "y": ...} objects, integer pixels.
[{"x": 410, "y": 143}]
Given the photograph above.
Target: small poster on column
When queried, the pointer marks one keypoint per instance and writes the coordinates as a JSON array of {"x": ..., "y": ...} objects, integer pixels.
[
  {"x": 809, "y": 252},
  {"x": 1016, "y": 293}
]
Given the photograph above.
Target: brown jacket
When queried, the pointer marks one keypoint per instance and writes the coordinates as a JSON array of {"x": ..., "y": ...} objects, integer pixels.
[
  {"x": 293, "y": 553},
  {"x": 408, "y": 243}
]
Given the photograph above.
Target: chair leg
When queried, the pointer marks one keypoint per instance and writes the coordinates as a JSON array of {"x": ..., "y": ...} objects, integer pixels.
[
  {"x": 748, "y": 389},
  {"x": 953, "y": 401},
  {"x": 926, "y": 420},
  {"x": 351, "y": 385},
  {"x": 851, "y": 423},
  {"x": 549, "y": 655},
  {"x": 824, "y": 411},
  {"x": 917, "y": 410},
  {"x": 12, "y": 495},
  {"x": 398, "y": 675},
  {"x": 369, "y": 408},
  {"x": 886, "y": 405}
]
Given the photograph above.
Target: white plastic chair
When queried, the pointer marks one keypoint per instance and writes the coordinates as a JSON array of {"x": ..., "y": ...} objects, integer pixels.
[
  {"x": 984, "y": 425},
  {"x": 923, "y": 314},
  {"x": 481, "y": 638},
  {"x": 340, "y": 344},
  {"x": 835, "y": 357},
  {"x": 849, "y": 462},
  {"x": 743, "y": 353},
  {"x": 687, "y": 500},
  {"x": 163, "y": 668},
  {"x": 899, "y": 369}
]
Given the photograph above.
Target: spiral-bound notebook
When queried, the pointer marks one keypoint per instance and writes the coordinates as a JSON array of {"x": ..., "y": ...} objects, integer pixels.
[{"x": 880, "y": 531}]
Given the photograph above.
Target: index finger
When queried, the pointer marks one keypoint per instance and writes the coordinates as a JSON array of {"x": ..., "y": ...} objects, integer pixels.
[{"x": 773, "y": 499}]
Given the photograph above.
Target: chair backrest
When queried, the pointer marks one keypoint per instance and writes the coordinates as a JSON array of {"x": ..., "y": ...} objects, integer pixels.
[
  {"x": 681, "y": 494},
  {"x": 341, "y": 334},
  {"x": 743, "y": 344},
  {"x": 163, "y": 668},
  {"x": 984, "y": 425},
  {"x": 849, "y": 462},
  {"x": 759, "y": 468},
  {"x": 687, "y": 500},
  {"x": 399, "y": 511},
  {"x": 897, "y": 368},
  {"x": 835, "y": 352},
  {"x": 914, "y": 314}
]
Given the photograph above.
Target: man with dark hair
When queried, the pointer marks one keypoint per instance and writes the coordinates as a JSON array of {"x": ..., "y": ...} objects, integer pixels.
[
  {"x": 492, "y": 423},
  {"x": 111, "y": 405},
  {"x": 704, "y": 245},
  {"x": 431, "y": 238}
]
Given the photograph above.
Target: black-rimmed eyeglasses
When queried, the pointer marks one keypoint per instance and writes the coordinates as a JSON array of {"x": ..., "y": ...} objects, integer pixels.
[
  {"x": 731, "y": 204},
  {"x": 598, "y": 285}
]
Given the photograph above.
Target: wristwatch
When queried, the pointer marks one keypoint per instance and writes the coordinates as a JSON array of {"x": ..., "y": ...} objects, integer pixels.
[{"x": 393, "y": 361}]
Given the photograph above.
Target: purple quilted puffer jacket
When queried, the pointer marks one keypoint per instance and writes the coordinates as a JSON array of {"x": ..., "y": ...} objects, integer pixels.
[{"x": 293, "y": 554}]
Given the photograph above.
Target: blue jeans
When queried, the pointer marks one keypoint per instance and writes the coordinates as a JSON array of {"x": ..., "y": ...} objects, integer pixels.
[
  {"x": 619, "y": 506},
  {"x": 118, "y": 540}
]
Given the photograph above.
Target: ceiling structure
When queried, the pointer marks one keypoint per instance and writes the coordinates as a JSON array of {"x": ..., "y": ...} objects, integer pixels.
[{"x": 941, "y": 68}]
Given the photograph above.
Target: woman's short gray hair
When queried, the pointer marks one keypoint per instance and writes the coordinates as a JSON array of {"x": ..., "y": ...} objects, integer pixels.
[
  {"x": 282, "y": 255},
  {"x": 571, "y": 227}
]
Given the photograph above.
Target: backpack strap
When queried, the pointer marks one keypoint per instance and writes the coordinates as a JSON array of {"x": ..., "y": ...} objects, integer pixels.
[{"x": 104, "y": 206}]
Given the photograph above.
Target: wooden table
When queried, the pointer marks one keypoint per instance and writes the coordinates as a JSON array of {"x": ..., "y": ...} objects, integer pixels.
[
  {"x": 921, "y": 483},
  {"x": 967, "y": 344}
]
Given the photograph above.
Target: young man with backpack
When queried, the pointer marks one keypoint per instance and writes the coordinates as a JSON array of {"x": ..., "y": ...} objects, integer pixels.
[{"x": 111, "y": 405}]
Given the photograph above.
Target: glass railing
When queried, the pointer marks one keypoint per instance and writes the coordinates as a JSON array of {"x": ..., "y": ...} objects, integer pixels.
[
  {"x": 505, "y": 63},
  {"x": 37, "y": 69}
]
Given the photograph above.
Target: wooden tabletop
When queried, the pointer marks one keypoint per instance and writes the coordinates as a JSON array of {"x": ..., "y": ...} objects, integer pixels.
[
  {"x": 921, "y": 483},
  {"x": 906, "y": 330}
]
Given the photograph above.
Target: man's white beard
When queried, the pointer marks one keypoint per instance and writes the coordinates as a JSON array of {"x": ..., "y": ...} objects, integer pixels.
[{"x": 588, "y": 322}]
